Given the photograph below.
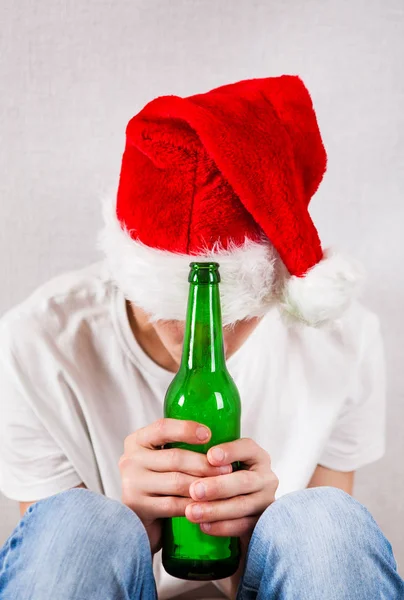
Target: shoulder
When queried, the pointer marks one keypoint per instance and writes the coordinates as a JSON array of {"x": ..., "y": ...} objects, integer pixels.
[
  {"x": 348, "y": 337},
  {"x": 359, "y": 327},
  {"x": 55, "y": 309}
]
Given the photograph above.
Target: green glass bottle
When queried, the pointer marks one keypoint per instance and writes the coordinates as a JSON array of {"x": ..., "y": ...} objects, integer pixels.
[{"x": 202, "y": 391}]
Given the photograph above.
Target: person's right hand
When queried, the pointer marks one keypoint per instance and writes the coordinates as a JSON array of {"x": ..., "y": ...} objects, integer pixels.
[{"x": 156, "y": 481}]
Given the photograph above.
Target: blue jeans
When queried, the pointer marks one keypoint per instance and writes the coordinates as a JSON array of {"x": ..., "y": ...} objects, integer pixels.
[{"x": 316, "y": 544}]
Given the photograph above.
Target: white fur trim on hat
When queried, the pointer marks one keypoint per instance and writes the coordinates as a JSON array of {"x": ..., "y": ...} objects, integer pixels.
[
  {"x": 325, "y": 292},
  {"x": 157, "y": 280},
  {"x": 253, "y": 278}
]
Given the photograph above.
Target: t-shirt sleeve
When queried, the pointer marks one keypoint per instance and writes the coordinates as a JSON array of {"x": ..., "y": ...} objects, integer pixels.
[
  {"x": 32, "y": 466},
  {"x": 358, "y": 436}
]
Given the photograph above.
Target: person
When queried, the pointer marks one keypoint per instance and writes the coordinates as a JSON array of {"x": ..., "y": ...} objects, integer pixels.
[{"x": 85, "y": 361}]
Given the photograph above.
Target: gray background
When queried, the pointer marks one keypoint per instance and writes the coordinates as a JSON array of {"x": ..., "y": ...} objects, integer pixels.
[{"x": 72, "y": 74}]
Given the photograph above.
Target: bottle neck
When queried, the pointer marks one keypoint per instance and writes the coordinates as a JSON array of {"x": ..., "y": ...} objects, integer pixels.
[{"x": 203, "y": 347}]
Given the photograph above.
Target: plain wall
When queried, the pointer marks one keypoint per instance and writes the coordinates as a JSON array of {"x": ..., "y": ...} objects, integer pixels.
[{"x": 72, "y": 74}]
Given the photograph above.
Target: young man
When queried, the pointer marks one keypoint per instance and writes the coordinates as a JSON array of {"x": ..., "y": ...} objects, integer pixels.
[{"x": 86, "y": 360}]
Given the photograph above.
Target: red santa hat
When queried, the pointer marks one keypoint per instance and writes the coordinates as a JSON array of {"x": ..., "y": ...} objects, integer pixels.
[{"x": 226, "y": 176}]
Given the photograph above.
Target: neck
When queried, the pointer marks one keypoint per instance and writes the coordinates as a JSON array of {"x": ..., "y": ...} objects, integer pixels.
[
  {"x": 203, "y": 341},
  {"x": 148, "y": 339}
]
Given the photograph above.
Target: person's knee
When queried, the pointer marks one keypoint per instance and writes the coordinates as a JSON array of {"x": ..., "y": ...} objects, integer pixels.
[
  {"x": 316, "y": 541},
  {"x": 322, "y": 520},
  {"x": 91, "y": 546},
  {"x": 80, "y": 518}
]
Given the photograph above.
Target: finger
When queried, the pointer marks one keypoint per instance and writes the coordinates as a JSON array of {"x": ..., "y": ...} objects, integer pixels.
[
  {"x": 233, "y": 528},
  {"x": 167, "y": 484},
  {"x": 165, "y": 431},
  {"x": 177, "y": 459},
  {"x": 226, "y": 486},
  {"x": 224, "y": 510},
  {"x": 162, "y": 507},
  {"x": 149, "y": 508},
  {"x": 244, "y": 450}
]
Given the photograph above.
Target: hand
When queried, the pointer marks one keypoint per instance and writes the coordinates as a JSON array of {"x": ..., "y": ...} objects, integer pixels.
[
  {"x": 231, "y": 505},
  {"x": 155, "y": 481}
]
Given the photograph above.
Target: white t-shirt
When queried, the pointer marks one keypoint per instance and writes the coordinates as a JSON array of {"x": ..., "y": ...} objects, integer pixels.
[{"x": 74, "y": 383}]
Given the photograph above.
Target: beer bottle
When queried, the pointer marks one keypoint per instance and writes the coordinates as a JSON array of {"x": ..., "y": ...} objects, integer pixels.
[{"x": 202, "y": 391}]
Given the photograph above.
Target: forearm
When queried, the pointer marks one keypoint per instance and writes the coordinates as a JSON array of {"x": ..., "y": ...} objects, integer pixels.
[{"x": 327, "y": 477}]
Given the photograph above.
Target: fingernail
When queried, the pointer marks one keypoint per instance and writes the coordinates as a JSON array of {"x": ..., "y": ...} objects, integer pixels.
[
  {"x": 196, "y": 511},
  {"x": 202, "y": 433},
  {"x": 225, "y": 470},
  {"x": 218, "y": 454},
  {"x": 206, "y": 526},
  {"x": 199, "y": 490}
]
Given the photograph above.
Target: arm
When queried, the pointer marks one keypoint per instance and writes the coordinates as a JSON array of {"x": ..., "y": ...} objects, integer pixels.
[
  {"x": 24, "y": 506},
  {"x": 327, "y": 477},
  {"x": 32, "y": 464}
]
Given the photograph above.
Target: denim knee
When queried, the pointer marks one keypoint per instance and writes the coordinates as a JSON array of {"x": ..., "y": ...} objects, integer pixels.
[
  {"x": 323, "y": 520},
  {"x": 77, "y": 544},
  {"x": 319, "y": 543},
  {"x": 88, "y": 518}
]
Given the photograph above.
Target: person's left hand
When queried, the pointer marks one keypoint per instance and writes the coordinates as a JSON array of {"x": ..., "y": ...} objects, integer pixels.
[{"x": 230, "y": 505}]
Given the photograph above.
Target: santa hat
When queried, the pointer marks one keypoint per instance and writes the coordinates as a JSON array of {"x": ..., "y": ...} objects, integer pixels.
[{"x": 226, "y": 176}]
